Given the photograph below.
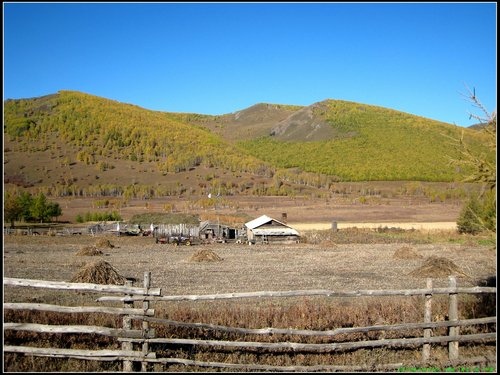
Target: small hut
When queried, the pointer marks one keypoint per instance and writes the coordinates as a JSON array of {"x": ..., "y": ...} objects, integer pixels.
[
  {"x": 265, "y": 229},
  {"x": 215, "y": 231}
]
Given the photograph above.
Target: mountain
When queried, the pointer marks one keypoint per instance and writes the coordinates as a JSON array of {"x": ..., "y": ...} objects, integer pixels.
[
  {"x": 478, "y": 126},
  {"x": 356, "y": 141},
  {"x": 255, "y": 121},
  {"x": 72, "y": 143}
]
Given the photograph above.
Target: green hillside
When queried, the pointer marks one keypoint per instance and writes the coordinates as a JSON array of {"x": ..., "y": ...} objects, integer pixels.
[
  {"x": 72, "y": 143},
  {"x": 100, "y": 127},
  {"x": 370, "y": 143}
]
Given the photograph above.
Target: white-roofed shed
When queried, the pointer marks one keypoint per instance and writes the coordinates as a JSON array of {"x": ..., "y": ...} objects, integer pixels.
[{"x": 265, "y": 229}]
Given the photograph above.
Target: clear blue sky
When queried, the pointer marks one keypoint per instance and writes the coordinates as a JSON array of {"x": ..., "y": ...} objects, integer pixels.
[{"x": 218, "y": 58}]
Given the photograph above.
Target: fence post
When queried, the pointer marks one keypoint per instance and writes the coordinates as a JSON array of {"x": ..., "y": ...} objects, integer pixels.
[
  {"x": 127, "y": 324},
  {"x": 426, "y": 350},
  {"x": 453, "y": 316},
  {"x": 145, "y": 323}
]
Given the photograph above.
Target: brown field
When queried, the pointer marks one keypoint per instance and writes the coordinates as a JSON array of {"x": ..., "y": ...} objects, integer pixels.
[
  {"x": 358, "y": 264},
  {"x": 317, "y": 265},
  {"x": 356, "y": 261},
  {"x": 383, "y": 257},
  {"x": 301, "y": 209}
]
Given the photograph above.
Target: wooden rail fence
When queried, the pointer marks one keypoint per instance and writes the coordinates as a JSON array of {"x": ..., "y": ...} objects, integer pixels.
[{"x": 128, "y": 295}]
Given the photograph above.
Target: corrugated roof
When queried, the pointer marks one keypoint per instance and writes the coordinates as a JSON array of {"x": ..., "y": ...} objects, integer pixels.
[{"x": 281, "y": 231}]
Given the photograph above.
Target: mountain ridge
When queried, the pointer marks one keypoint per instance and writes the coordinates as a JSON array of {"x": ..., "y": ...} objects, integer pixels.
[{"x": 278, "y": 147}]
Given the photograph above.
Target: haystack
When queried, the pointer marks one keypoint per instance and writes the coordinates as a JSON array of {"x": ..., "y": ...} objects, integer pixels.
[
  {"x": 406, "y": 252},
  {"x": 99, "y": 272},
  {"x": 89, "y": 251},
  {"x": 104, "y": 243},
  {"x": 435, "y": 266},
  {"x": 205, "y": 255}
]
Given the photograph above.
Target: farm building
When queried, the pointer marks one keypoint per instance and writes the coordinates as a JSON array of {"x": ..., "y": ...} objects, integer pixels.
[
  {"x": 216, "y": 231},
  {"x": 265, "y": 229}
]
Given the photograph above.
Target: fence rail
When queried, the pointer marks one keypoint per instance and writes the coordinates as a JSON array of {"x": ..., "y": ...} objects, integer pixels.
[
  {"x": 77, "y": 309},
  {"x": 329, "y": 333},
  {"x": 305, "y": 293},
  {"x": 146, "y": 338},
  {"x": 82, "y": 287}
]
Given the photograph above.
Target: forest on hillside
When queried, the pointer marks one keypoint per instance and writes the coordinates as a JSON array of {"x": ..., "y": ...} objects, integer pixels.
[{"x": 372, "y": 144}]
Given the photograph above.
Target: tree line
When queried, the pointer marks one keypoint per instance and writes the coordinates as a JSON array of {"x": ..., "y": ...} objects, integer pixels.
[{"x": 28, "y": 208}]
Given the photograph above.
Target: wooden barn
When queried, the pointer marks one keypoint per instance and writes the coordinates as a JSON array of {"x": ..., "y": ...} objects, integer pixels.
[
  {"x": 265, "y": 229},
  {"x": 215, "y": 231}
]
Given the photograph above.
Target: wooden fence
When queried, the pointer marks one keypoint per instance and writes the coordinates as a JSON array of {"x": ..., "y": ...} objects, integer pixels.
[{"x": 135, "y": 343}]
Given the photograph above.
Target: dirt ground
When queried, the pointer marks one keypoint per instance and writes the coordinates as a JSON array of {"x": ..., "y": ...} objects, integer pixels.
[
  {"x": 244, "y": 268},
  {"x": 261, "y": 267},
  {"x": 297, "y": 209}
]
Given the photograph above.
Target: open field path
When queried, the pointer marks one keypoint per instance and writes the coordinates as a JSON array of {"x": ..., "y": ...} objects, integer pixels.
[{"x": 440, "y": 225}]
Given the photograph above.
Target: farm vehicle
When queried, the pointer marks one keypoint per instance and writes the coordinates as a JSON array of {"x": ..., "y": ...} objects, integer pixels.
[{"x": 175, "y": 240}]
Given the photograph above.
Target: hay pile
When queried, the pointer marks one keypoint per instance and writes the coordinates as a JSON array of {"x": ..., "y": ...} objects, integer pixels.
[
  {"x": 435, "y": 266},
  {"x": 89, "y": 251},
  {"x": 406, "y": 252},
  {"x": 99, "y": 272},
  {"x": 205, "y": 255},
  {"x": 104, "y": 243}
]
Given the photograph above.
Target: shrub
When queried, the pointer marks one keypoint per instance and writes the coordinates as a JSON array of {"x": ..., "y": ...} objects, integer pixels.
[
  {"x": 99, "y": 216},
  {"x": 478, "y": 214}
]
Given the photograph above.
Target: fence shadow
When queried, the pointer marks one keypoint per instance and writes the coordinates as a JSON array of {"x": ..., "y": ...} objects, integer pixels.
[{"x": 486, "y": 303}]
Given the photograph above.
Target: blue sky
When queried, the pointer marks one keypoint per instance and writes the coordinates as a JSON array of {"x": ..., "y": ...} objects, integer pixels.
[{"x": 218, "y": 58}]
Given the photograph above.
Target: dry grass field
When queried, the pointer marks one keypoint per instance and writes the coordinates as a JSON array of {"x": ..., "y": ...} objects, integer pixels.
[
  {"x": 244, "y": 268},
  {"x": 408, "y": 242},
  {"x": 331, "y": 263},
  {"x": 348, "y": 260},
  {"x": 304, "y": 209}
]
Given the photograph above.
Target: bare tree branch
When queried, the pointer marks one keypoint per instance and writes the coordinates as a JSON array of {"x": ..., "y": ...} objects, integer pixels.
[
  {"x": 486, "y": 117},
  {"x": 484, "y": 170}
]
